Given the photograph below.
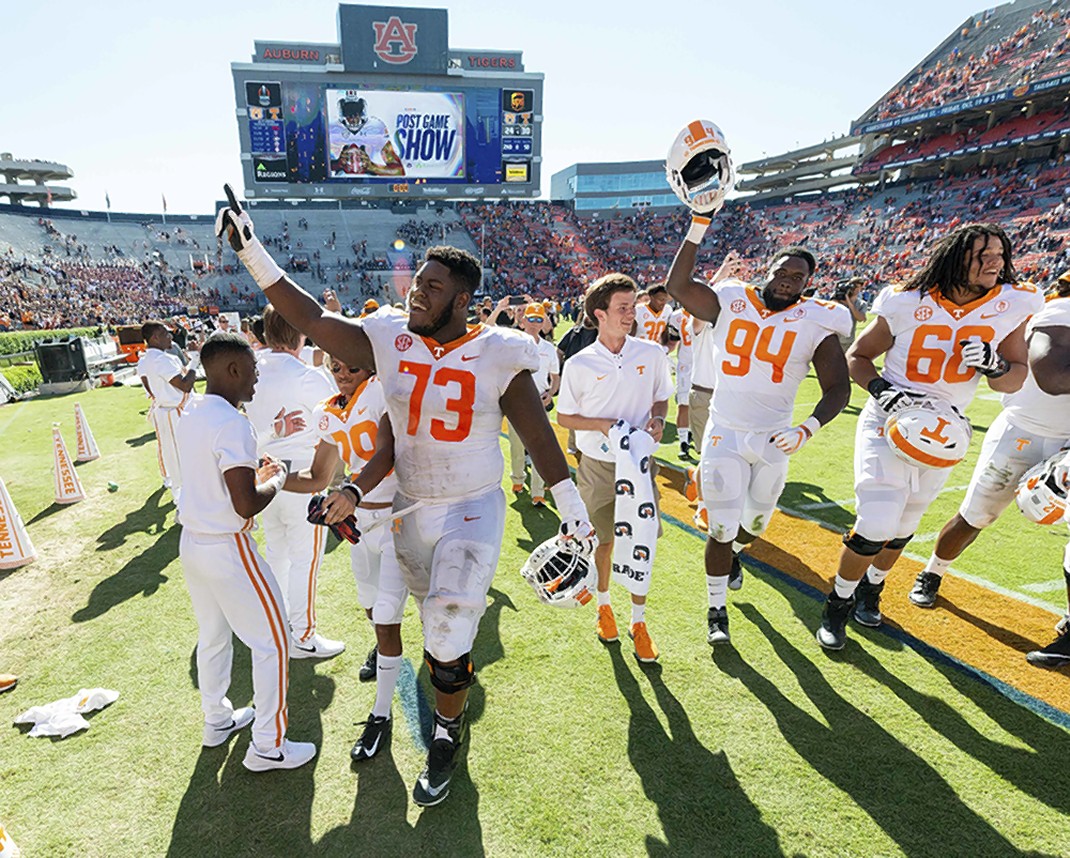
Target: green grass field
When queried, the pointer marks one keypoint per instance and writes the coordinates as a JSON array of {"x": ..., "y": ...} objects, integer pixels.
[{"x": 771, "y": 748}]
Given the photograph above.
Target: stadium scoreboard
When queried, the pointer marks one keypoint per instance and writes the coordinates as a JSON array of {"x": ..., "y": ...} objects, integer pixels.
[{"x": 390, "y": 111}]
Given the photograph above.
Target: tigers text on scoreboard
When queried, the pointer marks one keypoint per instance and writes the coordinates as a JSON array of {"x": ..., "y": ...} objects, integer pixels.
[{"x": 391, "y": 111}]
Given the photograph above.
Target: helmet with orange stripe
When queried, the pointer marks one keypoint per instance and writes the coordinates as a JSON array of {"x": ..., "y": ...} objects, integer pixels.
[
  {"x": 561, "y": 573},
  {"x": 1040, "y": 497},
  {"x": 699, "y": 167},
  {"x": 931, "y": 434}
]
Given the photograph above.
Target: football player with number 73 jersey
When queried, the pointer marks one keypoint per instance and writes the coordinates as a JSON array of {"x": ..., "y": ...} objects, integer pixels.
[
  {"x": 447, "y": 387},
  {"x": 763, "y": 341},
  {"x": 960, "y": 317}
]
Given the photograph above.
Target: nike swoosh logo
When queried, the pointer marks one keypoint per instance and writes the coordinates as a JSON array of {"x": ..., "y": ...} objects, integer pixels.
[
  {"x": 229, "y": 726},
  {"x": 471, "y": 517},
  {"x": 375, "y": 746},
  {"x": 469, "y": 357},
  {"x": 305, "y": 648},
  {"x": 277, "y": 759},
  {"x": 361, "y": 411},
  {"x": 599, "y": 377},
  {"x": 989, "y": 315},
  {"x": 434, "y": 791}
]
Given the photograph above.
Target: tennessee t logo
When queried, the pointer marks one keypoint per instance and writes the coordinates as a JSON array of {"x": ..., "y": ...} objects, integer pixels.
[
  {"x": 395, "y": 42},
  {"x": 1021, "y": 443},
  {"x": 641, "y": 367},
  {"x": 937, "y": 434}
]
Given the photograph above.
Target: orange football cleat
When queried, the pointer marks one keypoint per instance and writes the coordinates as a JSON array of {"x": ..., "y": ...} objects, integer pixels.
[
  {"x": 518, "y": 488},
  {"x": 691, "y": 485},
  {"x": 606, "y": 626},
  {"x": 645, "y": 648},
  {"x": 702, "y": 520},
  {"x": 7, "y": 682}
]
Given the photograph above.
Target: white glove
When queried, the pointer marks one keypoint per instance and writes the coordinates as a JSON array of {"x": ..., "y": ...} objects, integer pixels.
[
  {"x": 791, "y": 440},
  {"x": 1061, "y": 472},
  {"x": 239, "y": 229},
  {"x": 576, "y": 533},
  {"x": 891, "y": 398},
  {"x": 276, "y": 481},
  {"x": 983, "y": 357}
]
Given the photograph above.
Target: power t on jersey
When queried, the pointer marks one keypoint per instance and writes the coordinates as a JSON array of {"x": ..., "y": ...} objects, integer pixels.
[
  {"x": 353, "y": 428},
  {"x": 760, "y": 357},
  {"x": 443, "y": 401},
  {"x": 926, "y": 356}
]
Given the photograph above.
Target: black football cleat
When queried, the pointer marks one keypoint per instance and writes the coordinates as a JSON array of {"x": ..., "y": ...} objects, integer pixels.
[
  {"x": 925, "y": 587},
  {"x": 433, "y": 785},
  {"x": 717, "y": 626},
  {"x": 867, "y": 610},
  {"x": 833, "y": 632},
  {"x": 735, "y": 574},
  {"x": 376, "y": 735},
  {"x": 1055, "y": 654},
  {"x": 370, "y": 668}
]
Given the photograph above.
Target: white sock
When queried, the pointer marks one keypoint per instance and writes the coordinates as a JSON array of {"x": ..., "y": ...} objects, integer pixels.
[
  {"x": 638, "y": 612},
  {"x": 875, "y": 575},
  {"x": 388, "y": 667},
  {"x": 685, "y": 435},
  {"x": 440, "y": 730},
  {"x": 738, "y": 547},
  {"x": 603, "y": 597},
  {"x": 717, "y": 589},
  {"x": 937, "y": 566},
  {"x": 844, "y": 588}
]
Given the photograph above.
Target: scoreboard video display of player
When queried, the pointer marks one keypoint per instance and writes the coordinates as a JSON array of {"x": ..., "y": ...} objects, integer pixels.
[{"x": 365, "y": 118}]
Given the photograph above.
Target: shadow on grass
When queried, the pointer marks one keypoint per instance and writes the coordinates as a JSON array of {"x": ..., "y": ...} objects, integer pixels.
[
  {"x": 142, "y": 574},
  {"x": 141, "y": 440},
  {"x": 227, "y": 810},
  {"x": 696, "y": 792},
  {"x": 539, "y": 523},
  {"x": 898, "y": 789},
  {"x": 999, "y": 633},
  {"x": 151, "y": 518},
  {"x": 48, "y": 512},
  {"x": 804, "y": 496}
]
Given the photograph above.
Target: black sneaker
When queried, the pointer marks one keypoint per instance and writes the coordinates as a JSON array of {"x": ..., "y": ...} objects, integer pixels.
[
  {"x": 433, "y": 785},
  {"x": 867, "y": 610},
  {"x": 685, "y": 450},
  {"x": 833, "y": 631},
  {"x": 735, "y": 574},
  {"x": 376, "y": 734},
  {"x": 717, "y": 623},
  {"x": 1055, "y": 654},
  {"x": 925, "y": 586},
  {"x": 370, "y": 666}
]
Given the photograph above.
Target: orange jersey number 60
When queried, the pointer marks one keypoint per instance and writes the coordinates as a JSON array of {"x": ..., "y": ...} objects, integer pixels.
[
  {"x": 926, "y": 363},
  {"x": 743, "y": 339},
  {"x": 462, "y": 405}
]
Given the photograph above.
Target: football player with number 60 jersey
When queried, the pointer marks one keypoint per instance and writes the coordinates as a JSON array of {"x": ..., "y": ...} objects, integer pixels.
[
  {"x": 962, "y": 316},
  {"x": 447, "y": 388},
  {"x": 763, "y": 344}
]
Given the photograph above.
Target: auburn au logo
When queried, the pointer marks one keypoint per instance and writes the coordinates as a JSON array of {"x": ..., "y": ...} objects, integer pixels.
[{"x": 395, "y": 42}]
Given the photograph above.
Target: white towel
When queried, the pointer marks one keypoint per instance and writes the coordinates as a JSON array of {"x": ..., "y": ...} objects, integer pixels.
[
  {"x": 64, "y": 717},
  {"x": 635, "y": 517}
]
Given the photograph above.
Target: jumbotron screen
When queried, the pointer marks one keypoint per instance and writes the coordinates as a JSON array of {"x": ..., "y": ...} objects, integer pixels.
[{"x": 316, "y": 139}]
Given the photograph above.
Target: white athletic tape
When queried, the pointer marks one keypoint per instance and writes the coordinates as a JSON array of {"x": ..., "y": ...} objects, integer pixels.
[{"x": 401, "y": 513}]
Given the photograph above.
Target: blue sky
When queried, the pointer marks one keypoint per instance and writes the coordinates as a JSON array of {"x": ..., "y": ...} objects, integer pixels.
[{"x": 138, "y": 98}]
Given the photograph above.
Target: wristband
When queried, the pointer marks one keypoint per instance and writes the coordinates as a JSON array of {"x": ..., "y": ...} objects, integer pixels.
[
  {"x": 569, "y": 503},
  {"x": 358, "y": 495},
  {"x": 658, "y": 417},
  {"x": 810, "y": 426},
  {"x": 699, "y": 225},
  {"x": 258, "y": 261},
  {"x": 878, "y": 386},
  {"x": 276, "y": 482}
]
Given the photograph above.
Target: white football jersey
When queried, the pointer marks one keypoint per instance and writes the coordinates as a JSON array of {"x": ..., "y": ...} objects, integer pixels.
[
  {"x": 443, "y": 401},
  {"x": 681, "y": 320},
  {"x": 353, "y": 428},
  {"x": 761, "y": 357},
  {"x": 159, "y": 367},
  {"x": 373, "y": 138},
  {"x": 1031, "y": 408},
  {"x": 926, "y": 356},
  {"x": 650, "y": 325}
]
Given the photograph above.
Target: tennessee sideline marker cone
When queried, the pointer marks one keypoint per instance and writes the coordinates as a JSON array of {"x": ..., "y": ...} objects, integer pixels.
[
  {"x": 8, "y": 849},
  {"x": 87, "y": 445},
  {"x": 15, "y": 547},
  {"x": 68, "y": 486}
]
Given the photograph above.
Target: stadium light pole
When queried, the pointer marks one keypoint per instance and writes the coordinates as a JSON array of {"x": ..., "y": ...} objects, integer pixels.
[{"x": 482, "y": 246}]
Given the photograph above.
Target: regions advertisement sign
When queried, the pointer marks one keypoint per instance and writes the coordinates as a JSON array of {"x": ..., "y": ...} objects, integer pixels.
[{"x": 415, "y": 135}]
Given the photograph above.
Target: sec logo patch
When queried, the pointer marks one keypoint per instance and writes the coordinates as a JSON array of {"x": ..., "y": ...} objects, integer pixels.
[
  {"x": 403, "y": 342},
  {"x": 923, "y": 314},
  {"x": 324, "y": 423},
  {"x": 739, "y": 305},
  {"x": 1001, "y": 306}
]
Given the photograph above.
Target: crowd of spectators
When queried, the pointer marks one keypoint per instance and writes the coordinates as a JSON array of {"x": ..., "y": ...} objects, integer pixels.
[{"x": 981, "y": 60}]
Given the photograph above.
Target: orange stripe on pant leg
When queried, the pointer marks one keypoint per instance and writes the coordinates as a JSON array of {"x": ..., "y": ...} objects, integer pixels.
[
  {"x": 313, "y": 574},
  {"x": 265, "y": 597},
  {"x": 284, "y": 631},
  {"x": 159, "y": 446},
  {"x": 174, "y": 441}
]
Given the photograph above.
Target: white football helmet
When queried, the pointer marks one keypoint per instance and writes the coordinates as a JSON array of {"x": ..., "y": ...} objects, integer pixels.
[
  {"x": 1039, "y": 496},
  {"x": 699, "y": 167},
  {"x": 930, "y": 434},
  {"x": 560, "y": 574}
]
